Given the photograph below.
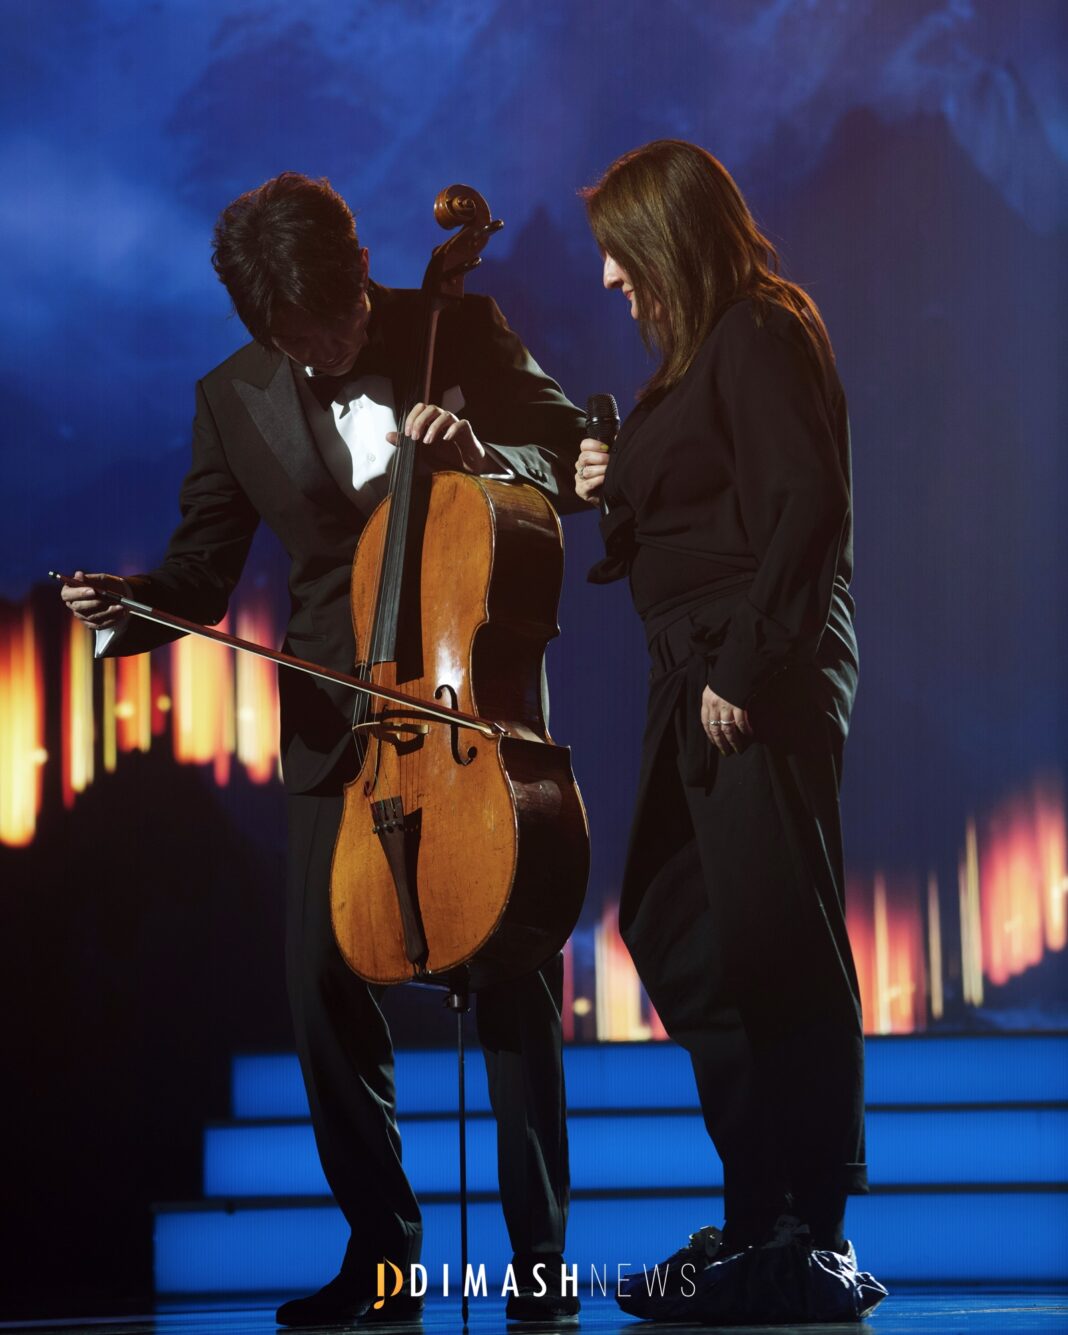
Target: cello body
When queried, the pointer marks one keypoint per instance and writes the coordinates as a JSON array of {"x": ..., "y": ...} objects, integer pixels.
[{"x": 458, "y": 851}]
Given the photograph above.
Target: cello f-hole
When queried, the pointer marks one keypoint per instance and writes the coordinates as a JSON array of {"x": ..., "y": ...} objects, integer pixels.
[
  {"x": 371, "y": 784},
  {"x": 452, "y": 698}
]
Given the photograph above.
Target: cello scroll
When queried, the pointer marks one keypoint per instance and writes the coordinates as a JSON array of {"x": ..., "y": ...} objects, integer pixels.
[{"x": 463, "y": 207}]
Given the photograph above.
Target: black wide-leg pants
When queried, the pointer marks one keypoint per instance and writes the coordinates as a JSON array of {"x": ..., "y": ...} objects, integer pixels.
[
  {"x": 346, "y": 1057},
  {"x": 733, "y": 909}
]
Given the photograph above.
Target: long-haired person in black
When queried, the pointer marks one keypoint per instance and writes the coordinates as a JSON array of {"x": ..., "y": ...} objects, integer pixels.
[{"x": 727, "y": 505}]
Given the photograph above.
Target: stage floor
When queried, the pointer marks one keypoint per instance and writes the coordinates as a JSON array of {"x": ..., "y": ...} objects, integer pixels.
[{"x": 908, "y": 1311}]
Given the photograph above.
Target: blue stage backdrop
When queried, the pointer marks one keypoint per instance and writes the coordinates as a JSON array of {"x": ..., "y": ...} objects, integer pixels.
[{"x": 908, "y": 156}]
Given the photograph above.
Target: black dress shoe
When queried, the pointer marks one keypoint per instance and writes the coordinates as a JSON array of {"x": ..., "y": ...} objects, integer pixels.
[
  {"x": 341, "y": 1303},
  {"x": 548, "y": 1309},
  {"x": 336, "y": 1302},
  {"x": 542, "y": 1302},
  {"x": 400, "y": 1311}
]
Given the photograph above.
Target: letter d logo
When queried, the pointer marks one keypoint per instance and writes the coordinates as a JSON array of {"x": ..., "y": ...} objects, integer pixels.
[{"x": 398, "y": 1280}]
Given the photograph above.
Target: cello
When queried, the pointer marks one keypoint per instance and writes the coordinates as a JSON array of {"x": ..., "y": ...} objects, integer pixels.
[
  {"x": 456, "y": 856},
  {"x": 463, "y": 850}
]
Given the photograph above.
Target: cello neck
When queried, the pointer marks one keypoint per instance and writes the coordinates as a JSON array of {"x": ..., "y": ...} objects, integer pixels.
[
  {"x": 398, "y": 549},
  {"x": 456, "y": 206}
]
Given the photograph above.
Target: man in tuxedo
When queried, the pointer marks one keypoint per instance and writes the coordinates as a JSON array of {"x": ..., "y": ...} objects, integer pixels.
[{"x": 297, "y": 428}]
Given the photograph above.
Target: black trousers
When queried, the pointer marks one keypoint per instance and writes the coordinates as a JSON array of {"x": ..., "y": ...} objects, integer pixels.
[
  {"x": 346, "y": 1057},
  {"x": 733, "y": 909}
]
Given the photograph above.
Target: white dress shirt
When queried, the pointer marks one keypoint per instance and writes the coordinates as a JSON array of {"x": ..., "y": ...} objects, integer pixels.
[{"x": 350, "y": 434}]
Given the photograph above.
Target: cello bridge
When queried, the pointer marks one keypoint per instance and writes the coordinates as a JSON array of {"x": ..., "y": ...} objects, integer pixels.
[{"x": 397, "y": 733}]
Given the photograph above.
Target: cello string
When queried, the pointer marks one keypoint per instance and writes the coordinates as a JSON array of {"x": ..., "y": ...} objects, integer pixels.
[
  {"x": 421, "y": 392},
  {"x": 389, "y": 561},
  {"x": 373, "y": 631},
  {"x": 387, "y": 551},
  {"x": 391, "y": 556},
  {"x": 408, "y": 771}
]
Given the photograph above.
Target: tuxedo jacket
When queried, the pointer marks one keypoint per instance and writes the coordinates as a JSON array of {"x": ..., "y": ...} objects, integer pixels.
[{"x": 254, "y": 457}]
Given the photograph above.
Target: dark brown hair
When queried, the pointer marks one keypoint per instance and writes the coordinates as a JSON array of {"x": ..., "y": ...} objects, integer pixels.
[
  {"x": 291, "y": 241},
  {"x": 671, "y": 215}
]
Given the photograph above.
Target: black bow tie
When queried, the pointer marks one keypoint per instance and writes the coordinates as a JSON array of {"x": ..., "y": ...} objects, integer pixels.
[{"x": 330, "y": 389}]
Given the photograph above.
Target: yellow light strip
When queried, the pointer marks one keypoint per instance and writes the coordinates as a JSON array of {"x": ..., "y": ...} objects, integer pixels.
[
  {"x": 882, "y": 987},
  {"x": 619, "y": 1004},
  {"x": 971, "y": 926},
  {"x": 257, "y": 702},
  {"x": 22, "y": 752},
  {"x": 108, "y": 721},
  {"x": 934, "y": 948},
  {"x": 79, "y": 721}
]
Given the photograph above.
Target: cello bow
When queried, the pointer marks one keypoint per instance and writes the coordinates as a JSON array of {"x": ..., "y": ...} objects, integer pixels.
[{"x": 425, "y": 708}]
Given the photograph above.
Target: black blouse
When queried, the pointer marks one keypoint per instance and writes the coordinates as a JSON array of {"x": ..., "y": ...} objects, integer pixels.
[{"x": 737, "y": 479}]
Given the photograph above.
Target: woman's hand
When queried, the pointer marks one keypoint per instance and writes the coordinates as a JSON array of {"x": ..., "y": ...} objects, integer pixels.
[
  {"x": 88, "y": 606},
  {"x": 590, "y": 468},
  {"x": 435, "y": 426},
  {"x": 725, "y": 724}
]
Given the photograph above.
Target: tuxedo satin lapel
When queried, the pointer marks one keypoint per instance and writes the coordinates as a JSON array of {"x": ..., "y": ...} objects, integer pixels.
[{"x": 279, "y": 416}]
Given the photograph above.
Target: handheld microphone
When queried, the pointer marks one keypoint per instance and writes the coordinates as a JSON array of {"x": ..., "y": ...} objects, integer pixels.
[
  {"x": 602, "y": 418},
  {"x": 602, "y": 423}
]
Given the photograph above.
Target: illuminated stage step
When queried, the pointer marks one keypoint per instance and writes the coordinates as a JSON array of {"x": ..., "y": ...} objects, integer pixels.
[
  {"x": 906, "y": 1070},
  {"x": 919, "y": 1147},
  {"x": 267, "y": 1247},
  {"x": 967, "y": 1142}
]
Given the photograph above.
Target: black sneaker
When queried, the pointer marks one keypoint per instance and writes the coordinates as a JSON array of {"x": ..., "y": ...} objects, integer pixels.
[
  {"x": 785, "y": 1280},
  {"x": 704, "y": 1247},
  {"x": 648, "y": 1293}
]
